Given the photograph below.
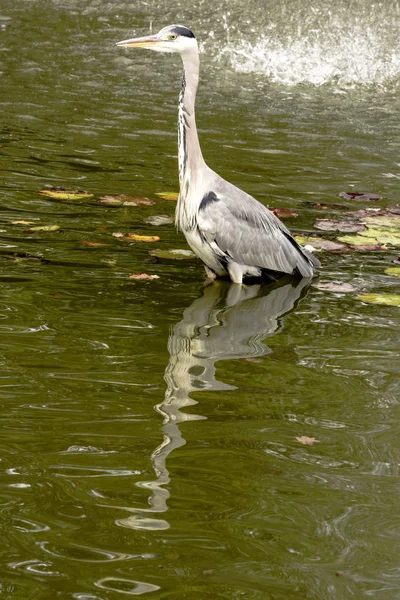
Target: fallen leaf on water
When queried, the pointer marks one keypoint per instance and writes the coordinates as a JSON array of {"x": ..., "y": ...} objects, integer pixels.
[
  {"x": 367, "y": 247},
  {"x": 168, "y": 195},
  {"x": 45, "y": 228},
  {"x": 308, "y": 441},
  {"x": 62, "y": 194},
  {"x": 124, "y": 200},
  {"x": 374, "y": 212},
  {"x": 319, "y": 244},
  {"x": 176, "y": 254},
  {"x": 143, "y": 276},
  {"x": 93, "y": 244},
  {"x": 118, "y": 234},
  {"x": 22, "y": 222},
  {"x": 366, "y": 197},
  {"x": 383, "y": 299},
  {"x": 335, "y": 225},
  {"x": 159, "y": 220},
  {"x": 135, "y": 237},
  {"x": 396, "y": 261},
  {"x": 335, "y": 286},
  {"x": 284, "y": 213},
  {"x": 393, "y": 271}
]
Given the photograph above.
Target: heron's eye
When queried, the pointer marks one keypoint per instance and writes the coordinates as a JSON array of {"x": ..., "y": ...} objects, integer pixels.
[{"x": 173, "y": 36}]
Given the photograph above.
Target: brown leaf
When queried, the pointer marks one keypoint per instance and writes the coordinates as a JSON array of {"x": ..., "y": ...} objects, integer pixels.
[
  {"x": 284, "y": 213},
  {"x": 366, "y": 247},
  {"x": 328, "y": 246},
  {"x": 144, "y": 276},
  {"x": 307, "y": 441},
  {"x": 366, "y": 197},
  {"x": 124, "y": 200}
]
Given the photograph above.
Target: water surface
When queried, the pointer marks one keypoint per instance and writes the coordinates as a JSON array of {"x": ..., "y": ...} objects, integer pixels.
[{"x": 149, "y": 428}]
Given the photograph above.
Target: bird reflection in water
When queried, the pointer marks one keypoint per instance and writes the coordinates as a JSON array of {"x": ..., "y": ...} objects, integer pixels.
[{"x": 226, "y": 322}]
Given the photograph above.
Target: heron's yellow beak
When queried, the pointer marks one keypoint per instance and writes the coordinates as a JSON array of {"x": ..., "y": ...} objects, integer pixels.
[{"x": 147, "y": 41}]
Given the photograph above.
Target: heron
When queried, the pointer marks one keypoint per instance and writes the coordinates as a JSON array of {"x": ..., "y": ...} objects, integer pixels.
[{"x": 234, "y": 235}]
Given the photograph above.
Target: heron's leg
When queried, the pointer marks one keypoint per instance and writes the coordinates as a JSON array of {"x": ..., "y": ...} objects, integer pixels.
[
  {"x": 210, "y": 274},
  {"x": 236, "y": 272}
]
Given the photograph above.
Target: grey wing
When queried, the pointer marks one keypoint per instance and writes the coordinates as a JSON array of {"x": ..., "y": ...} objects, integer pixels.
[{"x": 240, "y": 227}]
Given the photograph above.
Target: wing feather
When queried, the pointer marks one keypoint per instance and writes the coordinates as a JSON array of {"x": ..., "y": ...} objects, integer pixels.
[{"x": 240, "y": 226}]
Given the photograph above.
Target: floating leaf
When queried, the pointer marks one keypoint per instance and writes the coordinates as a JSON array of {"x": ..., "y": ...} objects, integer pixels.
[
  {"x": 360, "y": 196},
  {"x": 319, "y": 244},
  {"x": 124, "y": 200},
  {"x": 393, "y": 271},
  {"x": 118, "y": 234},
  {"x": 63, "y": 194},
  {"x": 135, "y": 237},
  {"x": 372, "y": 236},
  {"x": 367, "y": 247},
  {"x": 168, "y": 195},
  {"x": 396, "y": 261},
  {"x": 143, "y": 276},
  {"x": 383, "y": 221},
  {"x": 307, "y": 441},
  {"x": 93, "y": 244},
  {"x": 284, "y": 213},
  {"x": 45, "y": 228},
  {"x": 159, "y": 220},
  {"x": 383, "y": 299},
  {"x": 173, "y": 254},
  {"x": 22, "y": 222},
  {"x": 335, "y": 286},
  {"x": 374, "y": 212},
  {"x": 335, "y": 225}
]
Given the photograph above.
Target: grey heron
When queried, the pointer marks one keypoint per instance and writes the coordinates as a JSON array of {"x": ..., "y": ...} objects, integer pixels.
[{"x": 231, "y": 232}]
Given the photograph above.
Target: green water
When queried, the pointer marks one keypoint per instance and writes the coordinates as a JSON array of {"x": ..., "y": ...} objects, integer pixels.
[{"x": 148, "y": 429}]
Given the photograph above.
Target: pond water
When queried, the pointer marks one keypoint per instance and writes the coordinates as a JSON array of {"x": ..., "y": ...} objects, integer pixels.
[{"x": 152, "y": 432}]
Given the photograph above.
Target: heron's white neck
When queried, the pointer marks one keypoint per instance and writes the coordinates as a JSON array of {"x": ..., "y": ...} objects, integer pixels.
[{"x": 190, "y": 157}]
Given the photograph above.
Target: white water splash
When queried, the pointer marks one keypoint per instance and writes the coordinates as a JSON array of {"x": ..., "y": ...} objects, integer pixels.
[{"x": 353, "y": 45}]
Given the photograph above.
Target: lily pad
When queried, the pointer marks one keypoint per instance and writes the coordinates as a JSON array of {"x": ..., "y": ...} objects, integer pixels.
[
  {"x": 124, "y": 200},
  {"x": 366, "y": 197},
  {"x": 135, "y": 237},
  {"x": 339, "y": 287},
  {"x": 335, "y": 225},
  {"x": 45, "y": 228},
  {"x": 143, "y": 276},
  {"x": 319, "y": 244},
  {"x": 393, "y": 271},
  {"x": 63, "y": 194},
  {"x": 175, "y": 254},
  {"x": 168, "y": 195},
  {"x": 159, "y": 220},
  {"x": 382, "y": 299},
  {"x": 378, "y": 237}
]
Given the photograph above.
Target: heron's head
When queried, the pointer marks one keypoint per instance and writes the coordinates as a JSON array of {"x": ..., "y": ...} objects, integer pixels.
[{"x": 173, "y": 38}]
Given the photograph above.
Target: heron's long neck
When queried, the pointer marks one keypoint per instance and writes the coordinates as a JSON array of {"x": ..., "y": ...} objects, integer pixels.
[{"x": 190, "y": 156}]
